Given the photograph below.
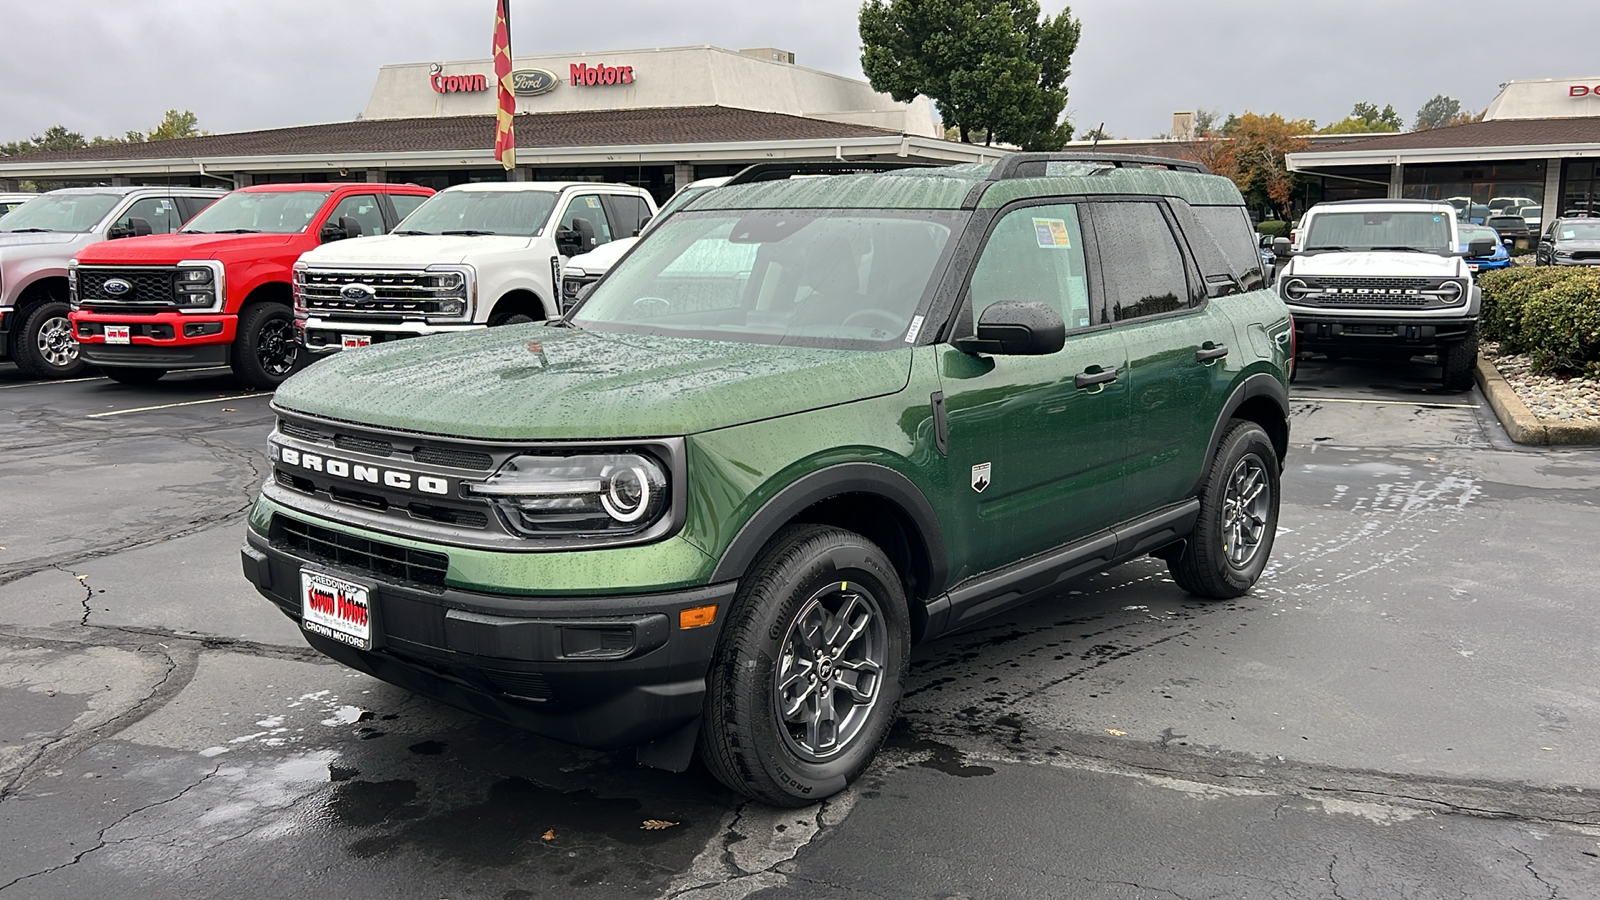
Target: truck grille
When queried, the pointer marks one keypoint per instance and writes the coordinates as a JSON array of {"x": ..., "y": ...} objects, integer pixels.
[
  {"x": 1374, "y": 292},
  {"x": 151, "y": 284},
  {"x": 380, "y": 294},
  {"x": 335, "y": 548}
]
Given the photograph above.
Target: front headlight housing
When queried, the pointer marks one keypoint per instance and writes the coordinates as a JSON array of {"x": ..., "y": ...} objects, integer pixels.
[
  {"x": 197, "y": 285},
  {"x": 454, "y": 288},
  {"x": 595, "y": 495}
]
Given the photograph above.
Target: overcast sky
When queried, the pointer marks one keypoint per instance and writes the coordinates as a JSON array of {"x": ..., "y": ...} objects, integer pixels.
[{"x": 107, "y": 66}]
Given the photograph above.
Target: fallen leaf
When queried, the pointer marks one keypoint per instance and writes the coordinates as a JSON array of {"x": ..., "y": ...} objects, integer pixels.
[
  {"x": 550, "y": 835},
  {"x": 229, "y": 409},
  {"x": 655, "y": 825},
  {"x": 1113, "y": 731},
  {"x": 82, "y": 577}
]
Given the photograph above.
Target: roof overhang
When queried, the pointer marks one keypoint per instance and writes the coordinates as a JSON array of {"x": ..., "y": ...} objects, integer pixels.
[
  {"x": 901, "y": 145},
  {"x": 1315, "y": 160}
]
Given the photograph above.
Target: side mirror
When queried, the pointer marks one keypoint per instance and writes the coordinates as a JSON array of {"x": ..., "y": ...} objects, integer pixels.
[
  {"x": 1015, "y": 328},
  {"x": 1280, "y": 247},
  {"x": 1480, "y": 247},
  {"x": 136, "y": 227},
  {"x": 567, "y": 242},
  {"x": 643, "y": 224},
  {"x": 331, "y": 232}
]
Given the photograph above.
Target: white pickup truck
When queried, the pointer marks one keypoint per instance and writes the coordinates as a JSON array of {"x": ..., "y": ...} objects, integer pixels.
[{"x": 472, "y": 256}]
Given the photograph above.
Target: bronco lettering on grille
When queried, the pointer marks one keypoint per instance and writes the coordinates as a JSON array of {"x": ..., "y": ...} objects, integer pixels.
[{"x": 339, "y": 468}]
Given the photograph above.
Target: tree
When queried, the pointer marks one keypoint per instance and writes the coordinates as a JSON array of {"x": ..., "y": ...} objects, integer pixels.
[
  {"x": 993, "y": 66},
  {"x": 1466, "y": 118},
  {"x": 56, "y": 137},
  {"x": 174, "y": 125},
  {"x": 1206, "y": 124},
  {"x": 1253, "y": 157},
  {"x": 1366, "y": 118},
  {"x": 1437, "y": 113}
]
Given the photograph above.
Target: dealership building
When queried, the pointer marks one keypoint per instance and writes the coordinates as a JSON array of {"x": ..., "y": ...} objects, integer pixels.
[{"x": 655, "y": 118}]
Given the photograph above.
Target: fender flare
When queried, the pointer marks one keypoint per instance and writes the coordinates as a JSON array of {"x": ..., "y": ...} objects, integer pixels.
[
  {"x": 846, "y": 478},
  {"x": 1260, "y": 384}
]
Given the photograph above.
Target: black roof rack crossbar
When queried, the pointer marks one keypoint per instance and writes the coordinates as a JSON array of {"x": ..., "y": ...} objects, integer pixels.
[
  {"x": 780, "y": 171},
  {"x": 1034, "y": 165}
]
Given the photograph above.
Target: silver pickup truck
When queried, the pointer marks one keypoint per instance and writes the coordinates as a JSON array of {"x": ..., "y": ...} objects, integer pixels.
[{"x": 39, "y": 238}]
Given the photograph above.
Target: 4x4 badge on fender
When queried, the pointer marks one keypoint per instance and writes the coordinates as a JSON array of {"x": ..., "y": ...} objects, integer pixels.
[{"x": 980, "y": 477}]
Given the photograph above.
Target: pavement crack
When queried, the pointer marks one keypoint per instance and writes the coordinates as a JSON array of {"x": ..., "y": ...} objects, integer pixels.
[
  {"x": 1334, "y": 879},
  {"x": 1528, "y": 864}
]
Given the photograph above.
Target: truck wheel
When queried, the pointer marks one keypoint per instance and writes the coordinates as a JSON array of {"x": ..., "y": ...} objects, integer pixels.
[
  {"x": 1232, "y": 538},
  {"x": 129, "y": 375},
  {"x": 264, "y": 350},
  {"x": 1458, "y": 360},
  {"x": 808, "y": 669},
  {"x": 45, "y": 345},
  {"x": 515, "y": 318}
]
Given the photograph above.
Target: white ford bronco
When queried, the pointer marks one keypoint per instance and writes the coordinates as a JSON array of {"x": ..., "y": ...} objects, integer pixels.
[
  {"x": 473, "y": 255},
  {"x": 1384, "y": 279}
]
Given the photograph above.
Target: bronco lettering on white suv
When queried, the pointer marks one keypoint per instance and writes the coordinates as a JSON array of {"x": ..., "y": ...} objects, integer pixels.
[
  {"x": 473, "y": 255},
  {"x": 1384, "y": 279}
]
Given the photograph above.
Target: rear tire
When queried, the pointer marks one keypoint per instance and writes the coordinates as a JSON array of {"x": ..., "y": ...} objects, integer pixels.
[
  {"x": 127, "y": 375},
  {"x": 264, "y": 350},
  {"x": 808, "y": 668},
  {"x": 1458, "y": 360},
  {"x": 1232, "y": 538},
  {"x": 45, "y": 346}
]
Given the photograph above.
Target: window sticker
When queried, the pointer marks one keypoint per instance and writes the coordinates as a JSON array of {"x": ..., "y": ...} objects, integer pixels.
[
  {"x": 1052, "y": 233},
  {"x": 916, "y": 326},
  {"x": 594, "y": 202},
  {"x": 1568, "y": 234}
]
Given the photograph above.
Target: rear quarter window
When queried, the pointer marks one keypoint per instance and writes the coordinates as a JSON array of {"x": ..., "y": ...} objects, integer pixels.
[{"x": 1230, "y": 228}]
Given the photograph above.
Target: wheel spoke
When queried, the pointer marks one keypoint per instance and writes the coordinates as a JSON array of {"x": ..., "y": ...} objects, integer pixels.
[
  {"x": 860, "y": 681},
  {"x": 843, "y": 621},
  {"x": 822, "y": 730}
]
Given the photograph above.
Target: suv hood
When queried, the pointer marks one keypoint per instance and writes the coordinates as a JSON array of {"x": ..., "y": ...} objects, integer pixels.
[
  {"x": 1375, "y": 262},
  {"x": 600, "y": 260},
  {"x": 532, "y": 382},
  {"x": 411, "y": 249},
  {"x": 170, "y": 248},
  {"x": 1572, "y": 244},
  {"x": 14, "y": 238}
]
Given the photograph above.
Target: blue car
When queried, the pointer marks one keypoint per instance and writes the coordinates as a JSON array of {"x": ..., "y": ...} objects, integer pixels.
[{"x": 1500, "y": 259}]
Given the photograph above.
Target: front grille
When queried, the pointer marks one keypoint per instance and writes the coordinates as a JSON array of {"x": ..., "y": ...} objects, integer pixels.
[
  {"x": 527, "y": 685},
  {"x": 1586, "y": 254},
  {"x": 363, "y": 445},
  {"x": 394, "y": 293},
  {"x": 299, "y": 431},
  {"x": 387, "y": 561},
  {"x": 1374, "y": 292},
  {"x": 459, "y": 459},
  {"x": 151, "y": 284}
]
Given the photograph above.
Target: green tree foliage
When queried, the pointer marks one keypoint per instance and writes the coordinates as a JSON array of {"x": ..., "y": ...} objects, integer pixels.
[
  {"x": 56, "y": 137},
  {"x": 1252, "y": 155},
  {"x": 1437, "y": 113},
  {"x": 174, "y": 125},
  {"x": 1366, "y": 118},
  {"x": 992, "y": 66}
]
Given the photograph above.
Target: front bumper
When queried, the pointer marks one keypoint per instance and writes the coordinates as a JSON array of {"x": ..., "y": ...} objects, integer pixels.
[
  {"x": 1353, "y": 332},
  {"x": 167, "y": 340},
  {"x": 599, "y": 672},
  {"x": 320, "y": 335}
]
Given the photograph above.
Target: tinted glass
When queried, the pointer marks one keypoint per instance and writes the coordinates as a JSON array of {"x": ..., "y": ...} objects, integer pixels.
[
  {"x": 587, "y": 208},
  {"x": 271, "y": 212},
  {"x": 1143, "y": 269},
  {"x": 61, "y": 212},
  {"x": 627, "y": 213},
  {"x": 406, "y": 204},
  {"x": 1372, "y": 230},
  {"x": 1230, "y": 228},
  {"x": 813, "y": 278},
  {"x": 680, "y": 200},
  {"x": 522, "y": 213},
  {"x": 1035, "y": 254},
  {"x": 363, "y": 208},
  {"x": 160, "y": 213}
]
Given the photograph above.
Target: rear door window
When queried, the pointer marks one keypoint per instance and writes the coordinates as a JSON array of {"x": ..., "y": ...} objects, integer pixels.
[
  {"x": 1143, "y": 268},
  {"x": 1230, "y": 228}
]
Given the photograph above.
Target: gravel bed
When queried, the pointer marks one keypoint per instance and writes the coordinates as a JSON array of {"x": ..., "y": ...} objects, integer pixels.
[{"x": 1546, "y": 396}]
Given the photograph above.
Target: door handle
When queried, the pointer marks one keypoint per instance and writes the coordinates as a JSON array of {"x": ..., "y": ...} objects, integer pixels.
[
  {"x": 1210, "y": 351},
  {"x": 1087, "y": 378}
]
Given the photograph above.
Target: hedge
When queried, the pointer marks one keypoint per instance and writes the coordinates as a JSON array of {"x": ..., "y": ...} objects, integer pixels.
[
  {"x": 1550, "y": 313},
  {"x": 1275, "y": 227}
]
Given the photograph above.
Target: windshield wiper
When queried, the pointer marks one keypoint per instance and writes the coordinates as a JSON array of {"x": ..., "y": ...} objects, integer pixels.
[
  {"x": 1334, "y": 247},
  {"x": 412, "y": 231},
  {"x": 469, "y": 232},
  {"x": 30, "y": 230},
  {"x": 1406, "y": 249},
  {"x": 234, "y": 231}
]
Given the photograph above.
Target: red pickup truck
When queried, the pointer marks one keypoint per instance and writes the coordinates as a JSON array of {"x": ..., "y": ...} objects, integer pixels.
[{"x": 218, "y": 292}]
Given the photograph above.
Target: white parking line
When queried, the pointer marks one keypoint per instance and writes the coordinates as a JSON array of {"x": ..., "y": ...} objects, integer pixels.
[
  {"x": 123, "y": 412},
  {"x": 1428, "y": 403}
]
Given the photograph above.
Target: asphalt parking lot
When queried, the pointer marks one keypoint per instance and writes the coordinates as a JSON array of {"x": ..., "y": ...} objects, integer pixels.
[{"x": 1404, "y": 707}]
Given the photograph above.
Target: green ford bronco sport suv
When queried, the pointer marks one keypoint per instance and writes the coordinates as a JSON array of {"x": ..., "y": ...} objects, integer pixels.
[{"x": 800, "y": 427}]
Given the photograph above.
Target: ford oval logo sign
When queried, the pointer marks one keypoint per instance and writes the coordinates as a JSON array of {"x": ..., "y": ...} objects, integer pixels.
[
  {"x": 532, "y": 82},
  {"x": 117, "y": 287},
  {"x": 358, "y": 292}
]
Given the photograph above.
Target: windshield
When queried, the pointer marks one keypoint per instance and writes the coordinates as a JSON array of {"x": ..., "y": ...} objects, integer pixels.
[
  {"x": 76, "y": 213},
  {"x": 1470, "y": 233},
  {"x": 811, "y": 278},
  {"x": 678, "y": 201},
  {"x": 270, "y": 212},
  {"x": 519, "y": 213},
  {"x": 1429, "y": 231},
  {"x": 1568, "y": 231}
]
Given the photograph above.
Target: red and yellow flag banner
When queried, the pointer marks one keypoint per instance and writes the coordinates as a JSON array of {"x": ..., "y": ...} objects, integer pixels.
[{"x": 505, "y": 141}]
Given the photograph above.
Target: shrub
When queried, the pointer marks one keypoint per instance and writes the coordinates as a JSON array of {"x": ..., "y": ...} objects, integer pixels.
[
  {"x": 1275, "y": 227},
  {"x": 1550, "y": 313}
]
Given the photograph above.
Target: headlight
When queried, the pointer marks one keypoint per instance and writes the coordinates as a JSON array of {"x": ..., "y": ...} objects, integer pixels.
[
  {"x": 609, "y": 494},
  {"x": 1296, "y": 289},
  {"x": 197, "y": 285},
  {"x": 1450, "y": 291},
  {"x": 1564, "y": 254}
]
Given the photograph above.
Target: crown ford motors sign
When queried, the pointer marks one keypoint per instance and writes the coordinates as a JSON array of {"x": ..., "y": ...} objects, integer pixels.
[
  {"x": 532, "y": 82},
  {"x": 1583, "y": 90},
  {"x": 585, "y": 75}
]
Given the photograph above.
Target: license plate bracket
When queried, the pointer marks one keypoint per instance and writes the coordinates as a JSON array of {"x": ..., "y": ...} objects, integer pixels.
[
  {"x": 337, "y": 608},
  {"x": 118, "y": 334},
  {"x": 352, "y": 341}
]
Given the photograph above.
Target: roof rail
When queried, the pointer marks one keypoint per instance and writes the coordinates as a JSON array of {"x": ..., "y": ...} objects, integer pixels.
[
  {"x": 1034, "y": 165},
  {"x": 780, "y": 171}
]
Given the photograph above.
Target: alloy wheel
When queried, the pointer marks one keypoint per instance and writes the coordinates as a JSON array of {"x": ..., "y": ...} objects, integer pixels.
[
  {"x": 1245, "y": 507},
  {"x": 276, "y": 348},
  {"x": 831, "y": 670},
  {"x": 56, "y": 343}
]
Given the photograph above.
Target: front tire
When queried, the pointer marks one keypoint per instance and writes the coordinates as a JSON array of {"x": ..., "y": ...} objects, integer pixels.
[
  {"x": 264, "y": 350},
  {"x": 127, "y": 375},
  {"x": 1232, "y": 538},
  {"x": 1458, "y": 360},
  {"x": 808, "y": 669},
  {"x": 45, "y": 345}
]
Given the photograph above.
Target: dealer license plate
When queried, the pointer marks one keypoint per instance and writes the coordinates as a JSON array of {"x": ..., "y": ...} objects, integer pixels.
[
  {"x": 336, "y": 609},
  {"x": 117, "y": 334},
  {"x": 1473, "y": 267},
  {"x": 351, "y": 341}
]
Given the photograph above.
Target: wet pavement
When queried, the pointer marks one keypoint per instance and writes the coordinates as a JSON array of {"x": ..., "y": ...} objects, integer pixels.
[{"x": 1404, "y": 707}]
